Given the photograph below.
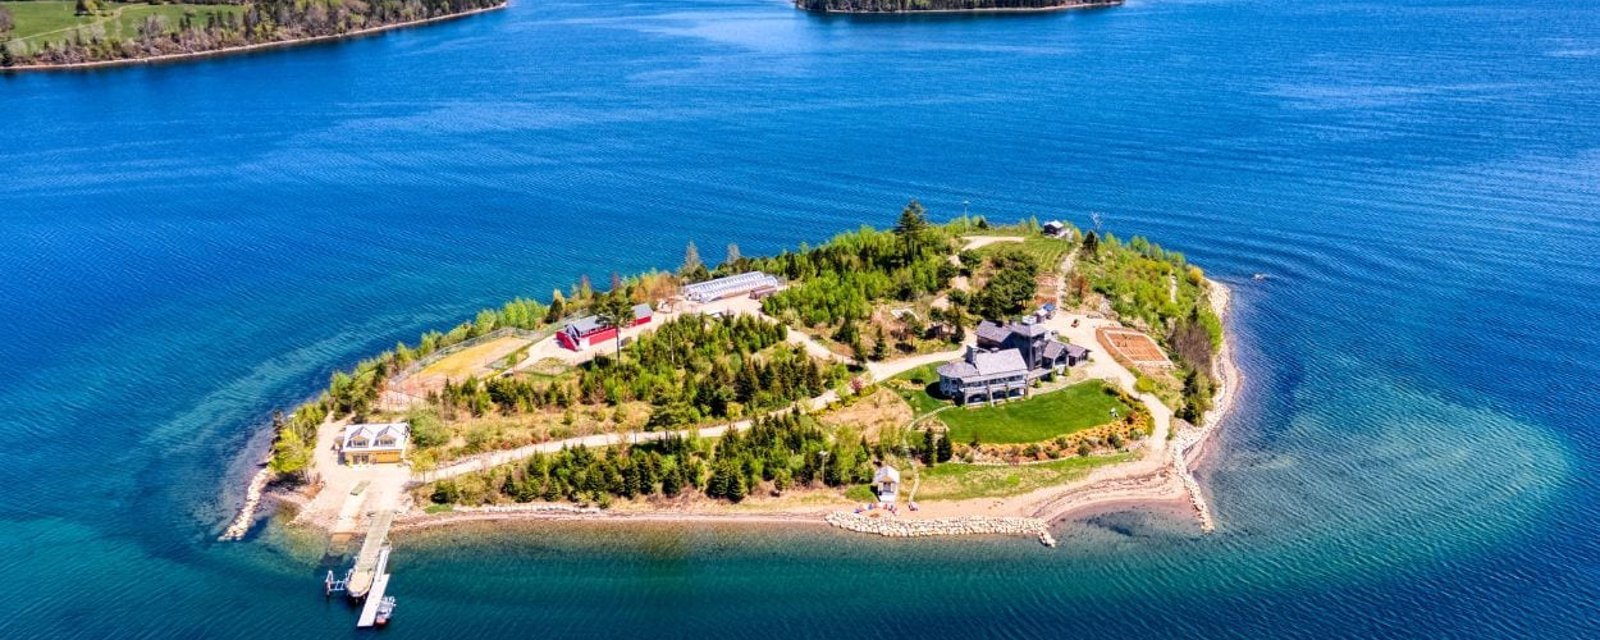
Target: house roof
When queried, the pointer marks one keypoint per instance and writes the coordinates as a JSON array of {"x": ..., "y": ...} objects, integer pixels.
[
  {"x": 371, "y": 432},
  {"x": 590, "y": 324},
  {"x": 990, "y": 363},
  {"x": 1077, "y": 351},
  {"x": 1053, "y": 350},
  {"x": 1030, "y": 330},
  {"x": 584, "y": 326},
  {"x": 958, "y": 369},
  {"x": 886, "y": 472},
  {"x": 990, "y": 331}
]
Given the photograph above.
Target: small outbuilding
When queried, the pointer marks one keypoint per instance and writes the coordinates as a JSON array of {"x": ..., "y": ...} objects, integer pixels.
[
  {"x": 588, "y": 330},
  {"x": 886, "y": 483}
]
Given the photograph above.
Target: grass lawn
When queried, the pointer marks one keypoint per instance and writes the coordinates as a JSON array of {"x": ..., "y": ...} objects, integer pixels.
[
  {"x": 959, "y": 481},
  {"x": 917, "y": 396},
  {"x": 1046, "y": 252},
  {"x": 42, "y": 21},
  {"x": 1041, "y": 417}
]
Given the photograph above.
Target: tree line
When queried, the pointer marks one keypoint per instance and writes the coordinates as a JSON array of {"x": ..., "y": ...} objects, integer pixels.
[
  {"x": 778, "y": 452},
  {"x": 259, "y": 22},
  {"x": 837, "y": 283},
  {"x": 690, "y": 369}
]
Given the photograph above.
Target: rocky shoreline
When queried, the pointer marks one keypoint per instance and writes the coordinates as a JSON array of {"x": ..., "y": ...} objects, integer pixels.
[{"x": 893, "y": 527}]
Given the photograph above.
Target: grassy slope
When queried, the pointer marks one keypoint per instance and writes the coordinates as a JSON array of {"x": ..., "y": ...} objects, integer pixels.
[
  {"x": 956, "y": 481},
  {"x": 916, "y": 392},
  {"x": 42, "y": 21},
  {"x": 1039, "y": 418},
  {"x": 1046, "y": 252}
]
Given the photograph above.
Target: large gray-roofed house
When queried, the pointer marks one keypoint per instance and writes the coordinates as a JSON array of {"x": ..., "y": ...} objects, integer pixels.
[
  {"x": 985, "y": 375},
  {"x": 1007, "y": 359}
]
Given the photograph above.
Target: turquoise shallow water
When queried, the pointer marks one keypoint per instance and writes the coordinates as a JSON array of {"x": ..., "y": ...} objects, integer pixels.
[{"x": 185, "y": 248}]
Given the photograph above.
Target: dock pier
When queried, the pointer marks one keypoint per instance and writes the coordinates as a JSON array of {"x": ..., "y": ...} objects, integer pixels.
[{"x": 373, "y": 560}]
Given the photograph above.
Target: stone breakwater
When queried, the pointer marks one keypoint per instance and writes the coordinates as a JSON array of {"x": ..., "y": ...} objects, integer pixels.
[
  {"x": 963, "y": 526},
  {"x": 1180, "y": 463},
  {"x": 247, "y": 512}
]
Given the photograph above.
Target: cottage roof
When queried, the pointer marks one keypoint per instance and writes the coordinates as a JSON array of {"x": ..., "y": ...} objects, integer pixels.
[
  {"x": 641, "y": 310},
  {"x": 1076, "y": 351},
  {"x": 957, "y": 370},
  {"x": 886, "y": 472},
  {"x": 372, "y": 432}
]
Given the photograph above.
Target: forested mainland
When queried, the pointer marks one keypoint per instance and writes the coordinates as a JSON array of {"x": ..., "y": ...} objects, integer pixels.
[{"x": 56, "y": 33}]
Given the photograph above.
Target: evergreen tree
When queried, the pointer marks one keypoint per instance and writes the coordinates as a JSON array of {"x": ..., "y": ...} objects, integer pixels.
[
  {"x": 1091, "y": 244},
  {"x": 930, "y": 447},
  {"x": 946, "y": 451}
]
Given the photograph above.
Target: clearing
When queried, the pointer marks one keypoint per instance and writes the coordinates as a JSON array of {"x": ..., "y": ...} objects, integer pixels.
[
  {"x": 476, "y": 360},
  {"x": 1041, "y": 417}
]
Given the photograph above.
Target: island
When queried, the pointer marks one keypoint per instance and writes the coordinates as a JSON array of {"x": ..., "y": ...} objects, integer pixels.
[
  {"x": 57, "y": 34},
  {"x": 929, "y": 379},
  {"x": 946, "y": 6}
]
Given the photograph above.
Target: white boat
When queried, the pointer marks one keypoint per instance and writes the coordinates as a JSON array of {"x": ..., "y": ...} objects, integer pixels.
[{"x": 385, "y": 609}]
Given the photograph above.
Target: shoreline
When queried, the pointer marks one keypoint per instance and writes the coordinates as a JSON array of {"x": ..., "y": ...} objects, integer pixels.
[
  {"x": 1161, "y": 479},
  {"x": 918, "y": 12},
  {"x": 260, "y": 46}
]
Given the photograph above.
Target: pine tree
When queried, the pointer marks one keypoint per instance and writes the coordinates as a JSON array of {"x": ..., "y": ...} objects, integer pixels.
[
  {"x": 930, "y": 447},
  {"x": 946, "y": 451}
]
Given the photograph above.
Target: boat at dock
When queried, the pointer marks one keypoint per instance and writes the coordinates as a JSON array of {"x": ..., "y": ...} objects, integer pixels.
[{"x": 385, "y": 609}]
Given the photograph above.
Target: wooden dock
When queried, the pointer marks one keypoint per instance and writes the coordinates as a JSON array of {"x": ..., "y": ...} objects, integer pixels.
[
  {"x": 373, "y": 561},
  {"x": 369, "y": 610}
]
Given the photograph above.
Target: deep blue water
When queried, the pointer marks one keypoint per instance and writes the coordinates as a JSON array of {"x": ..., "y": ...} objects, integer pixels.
[{"x": 185, "y": 248}]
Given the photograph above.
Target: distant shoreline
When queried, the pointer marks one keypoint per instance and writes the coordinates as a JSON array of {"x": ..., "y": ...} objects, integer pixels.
[
  {"x": 1059, "y": 7},
  {"x": 179, "y": 57}
]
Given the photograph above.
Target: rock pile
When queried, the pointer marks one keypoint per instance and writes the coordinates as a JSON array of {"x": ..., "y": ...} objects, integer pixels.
[
  {"x": 1180, "y": 462},
  {"x": 247, "y": 512},
  {"x": 963, "y": 526}
]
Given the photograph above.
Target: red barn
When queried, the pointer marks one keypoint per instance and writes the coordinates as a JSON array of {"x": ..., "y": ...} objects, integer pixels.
[{"x": 587, "y": 331}]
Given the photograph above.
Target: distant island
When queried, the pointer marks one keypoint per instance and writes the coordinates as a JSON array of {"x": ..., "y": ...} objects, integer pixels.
[
  {"x": 930, "y": 379},
  {"x": 946, "y": 6},
  {"x": 56, "y": 34}
]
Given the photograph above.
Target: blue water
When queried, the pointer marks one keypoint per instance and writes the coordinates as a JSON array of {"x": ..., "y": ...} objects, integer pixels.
[{"x": 185, "y": 248}]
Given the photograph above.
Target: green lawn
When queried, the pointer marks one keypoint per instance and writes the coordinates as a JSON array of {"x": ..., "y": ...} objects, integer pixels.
[
  {"x": 1041, "y": 417},
  {"x": 42, "y": 21},
  {"x": 1046, "y": 252},
  {"x": 921, "y": 402},
  {"x": 959, "y": 481}
]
